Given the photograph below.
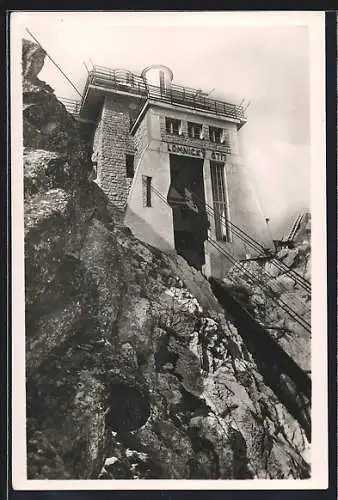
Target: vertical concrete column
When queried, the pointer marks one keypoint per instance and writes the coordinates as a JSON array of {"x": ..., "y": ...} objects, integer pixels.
[
  {"x": 205, "y": 131},
  {"x": 234, "y": 142},
  {"x": 154, "y": 126},
  {"x": 184, "y": 128},
  {"x": 208, "y": 200}
]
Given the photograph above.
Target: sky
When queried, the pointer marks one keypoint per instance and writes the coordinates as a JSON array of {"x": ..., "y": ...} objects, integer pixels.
[{"x": 267, "y": 63}]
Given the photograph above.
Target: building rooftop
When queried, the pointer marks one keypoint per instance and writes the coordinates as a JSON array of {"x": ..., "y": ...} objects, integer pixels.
[{"x": 101, "y": 80}]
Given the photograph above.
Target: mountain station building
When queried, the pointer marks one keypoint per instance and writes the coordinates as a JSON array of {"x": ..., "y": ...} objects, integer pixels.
[{"x": 169, "y": 157}]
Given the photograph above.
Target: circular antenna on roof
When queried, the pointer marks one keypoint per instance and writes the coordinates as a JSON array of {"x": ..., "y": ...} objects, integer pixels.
[
  {"x": 158, "y": 67},
  {"x": 158, "y": 75}
]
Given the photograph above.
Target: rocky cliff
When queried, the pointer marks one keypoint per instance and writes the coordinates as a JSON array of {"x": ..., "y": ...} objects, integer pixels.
[
  {"x": 279, "y": 293},
  {"x": 134, "y": 370}
]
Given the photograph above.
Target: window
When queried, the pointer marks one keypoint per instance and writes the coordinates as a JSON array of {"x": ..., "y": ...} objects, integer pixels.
[
  {"x": 215, "y": 134},
  {"x": 219, "y": 135},
  {"x": 146, "y": 190},
  {"x": 220, "y": 201},
  {"x": 173, "y": 126},
  {"x": 225, "y": 138},
  {"x": 130, "y": 166},
  {"x": 195, "y": 130}
]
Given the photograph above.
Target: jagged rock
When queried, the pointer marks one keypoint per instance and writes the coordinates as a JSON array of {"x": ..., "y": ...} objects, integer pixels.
[
  {"x": 271, "y": 269},
  {"x": 278, "y": 287},
  {"x": 38, "y": 165},
  {"x": 33, "y": 59},
  {"x": 290, "y": 257},
  {"x": 133, "y": 369}
]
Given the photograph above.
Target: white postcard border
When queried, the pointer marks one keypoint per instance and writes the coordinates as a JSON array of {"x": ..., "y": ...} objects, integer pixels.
[{"x": 316, "y": 24}]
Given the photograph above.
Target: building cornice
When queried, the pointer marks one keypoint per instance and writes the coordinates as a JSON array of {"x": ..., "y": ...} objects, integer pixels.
[{"x": 181, "y": 107}]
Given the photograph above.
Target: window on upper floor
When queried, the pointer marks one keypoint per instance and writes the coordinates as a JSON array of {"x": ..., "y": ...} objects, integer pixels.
[
  {"x": 219, "y": 135},
  {"x": 173, "y": 126},
  {"x": 219, "y": 194},
  {"x": 195, "y": 130},
  {"x": 215, "y": 134},
  {"x": 147, "y": 188},
  {"x": 130, "y": 166}
]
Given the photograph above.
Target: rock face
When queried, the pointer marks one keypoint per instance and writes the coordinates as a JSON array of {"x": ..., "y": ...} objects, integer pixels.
[
  {"x": 279, "y": 294},
  {"x": 133, "y": 369}
]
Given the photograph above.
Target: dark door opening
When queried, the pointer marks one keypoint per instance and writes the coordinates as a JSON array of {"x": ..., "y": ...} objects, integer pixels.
[{"x": 187, "y": 199}]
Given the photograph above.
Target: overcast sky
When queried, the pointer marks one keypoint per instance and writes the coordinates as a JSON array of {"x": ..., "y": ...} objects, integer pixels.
[{"x": 267, "y": 64}]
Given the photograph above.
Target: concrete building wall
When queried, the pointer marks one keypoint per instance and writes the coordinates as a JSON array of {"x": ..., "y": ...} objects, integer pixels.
[
  {"x": 243, "y": 207},
  {"x": 193, "y": 116},
  {"x": 141, "y": 138},
  {"x": 244, "y": 214},
  {"x": 154, "y": 224},
  {"x": 150, "y": 144}
]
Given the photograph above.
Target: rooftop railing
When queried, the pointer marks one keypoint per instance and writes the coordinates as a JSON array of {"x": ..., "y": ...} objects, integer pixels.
[{"x": 126, "y": 81}]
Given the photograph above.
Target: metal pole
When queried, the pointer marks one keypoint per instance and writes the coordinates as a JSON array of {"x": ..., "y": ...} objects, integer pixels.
[
  {"x": 85, "y": 65},
  {"x": 58, "y": 67}
]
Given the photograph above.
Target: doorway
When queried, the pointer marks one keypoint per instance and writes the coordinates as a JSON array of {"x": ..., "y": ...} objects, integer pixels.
[{"x": 187, "y": 199}]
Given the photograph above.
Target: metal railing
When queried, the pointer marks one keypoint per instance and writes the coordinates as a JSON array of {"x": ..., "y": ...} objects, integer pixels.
[
  {"x": 261, "y": 281},
  {"x": 127, "y": 81},
  {"x": 73, "y": 106}
]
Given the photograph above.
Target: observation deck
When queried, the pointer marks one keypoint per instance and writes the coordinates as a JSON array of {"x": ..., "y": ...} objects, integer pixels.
[{"x": 102, "y": 81}]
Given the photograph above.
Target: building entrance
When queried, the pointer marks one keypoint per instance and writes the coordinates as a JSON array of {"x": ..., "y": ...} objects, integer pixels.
[{"x": 187, "y": 199}]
